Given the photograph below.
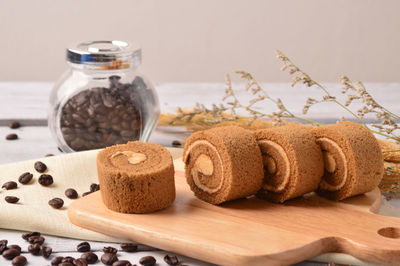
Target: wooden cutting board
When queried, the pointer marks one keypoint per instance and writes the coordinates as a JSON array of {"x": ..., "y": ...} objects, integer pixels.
[{"x": 252, "y": 231}]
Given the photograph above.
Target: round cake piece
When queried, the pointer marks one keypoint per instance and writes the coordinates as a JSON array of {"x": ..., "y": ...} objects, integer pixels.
[
  {"x": 293, "y": 164},
  {"x": 353, "y": 160},
  {"x": 223, "y": 164},
  {"x": 136, "y": 177}
]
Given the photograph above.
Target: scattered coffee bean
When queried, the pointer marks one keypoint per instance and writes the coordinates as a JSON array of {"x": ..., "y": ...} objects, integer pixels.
[
  {"x": 71, "y": 193},
  {"x": 148, "y": 261},
  {"x": 83, "y": 247},
  {"x": 11, "y": 199},
  {"x": 40, "y": 167},
  {"x": 10, "y": 185},
  {"x": 68, "y": 259},
  {"x": 11, "y": 137},
  {"x": 86, "y": 193},
  {"x": 14, "y": 247},
  {"x": 80, "y": 262},
  {"x": 90, "y": 257},
  {"x": 49, "y": 155},
  {"x": 34, "y": 249},
  {"x": 19, "y": 261},
  {"x": 129, "y": 247},
  {"x": 9, "y": 254},
  {"x": 66, "y": 264},
  {"x": 110, "y": 250},
  {"x": 36, "y": 240},
  {"x": 56, "y": 203},
  {"x": 122, "y": 263},
  {"x": 176, "y": 143},
  {"x": 15, "y": 125},
  {"x": 3, "y": 245},
  {"x": 108, "y": 258},
  {"x": 26, "y": 236},
  {"x": 171, "y": 260},
  {"x": 57, "y": 260},
  {"x": 25, "y": 178},
  {"x": 45, "y": 251},
  {"x": 94, "y": 187},
  {"x": 45, "y": 180},
  {"x": 100, "y": 117}
]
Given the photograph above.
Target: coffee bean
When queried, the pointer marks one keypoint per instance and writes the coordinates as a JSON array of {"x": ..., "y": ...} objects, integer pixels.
[
  {"x": 94, "y": 187},
  {"x": 68, "y": 259},
  {"x": 129, "y": 247},
  {"x": 15, "y": 125},
  {"x": 56, "y": 261},
  {"x": 49, "y": 155},
  {"x": 25, "y": 178},
  {"x": 90, "y": 257},
  {"x": 40, "y": 167},
  {"x": 171, "y": 260},
  {"x": 86, "y": 193},
  {"x": 80, "y": 262},
  {"x": 122, "y": 263},
  {"x": 56, "y": 203},
  {"x": 34, "y": 249},
  {"x": 110, "y": 250},
  {"x": 14, "y": 247},
  {"x": 83, "y": 247},
  {"x": 45, "y": 180},
  {"x": 11, "y": 137},
  {"x": 108, "y": 258},
  {"x": 45, "y": 251},
  {"x": 26, "y": 236},
  {"x": 19, "y": 261},
  {"x": 36, "y": 240},
  {"x": 66, "y": 264},
  {"x": 11, "y": 199},
  {"x": 9, "y": 254},
  {"x": 10, "y": 185},
  {"x": 176, "y": 143},
  {"x": 71, "y": 193},
  {"x": 3, "y": 245},
  {"x": 148, "y": 261}
]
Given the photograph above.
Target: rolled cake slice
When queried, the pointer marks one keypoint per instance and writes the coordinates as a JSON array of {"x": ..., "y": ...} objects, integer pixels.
[
  {"x": 136, "y": 177},
  {"x": 223, "y": 164},
  {"x": 293, "y": 163},
  {"x": 353, "y": 160}
]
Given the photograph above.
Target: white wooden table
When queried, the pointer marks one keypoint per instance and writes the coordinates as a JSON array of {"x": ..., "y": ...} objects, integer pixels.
[{"x": 28, "y": 103}]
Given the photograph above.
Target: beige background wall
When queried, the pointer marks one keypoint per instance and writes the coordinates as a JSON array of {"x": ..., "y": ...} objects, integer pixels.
[{"x": 186, "y": 40}]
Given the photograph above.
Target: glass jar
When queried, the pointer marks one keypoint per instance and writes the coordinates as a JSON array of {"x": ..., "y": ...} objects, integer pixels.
[{"x": 102, "y": 100}]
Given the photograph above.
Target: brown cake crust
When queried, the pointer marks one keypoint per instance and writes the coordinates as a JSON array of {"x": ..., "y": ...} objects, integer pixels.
[
  {"x": 360, "y": 170},
  {"x": 297, "y": 159},
  {"x": 223, "y": 164},
  {"x": 146, "y": 184}
]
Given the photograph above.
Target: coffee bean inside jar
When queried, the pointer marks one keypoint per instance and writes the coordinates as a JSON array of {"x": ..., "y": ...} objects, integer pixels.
[
  {"x": 102, "y": 101},
  {"x": 100, "y": 117}
]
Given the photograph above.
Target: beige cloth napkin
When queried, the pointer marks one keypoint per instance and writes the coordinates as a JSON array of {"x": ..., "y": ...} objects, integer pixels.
[{"x": 32, "y": 212}]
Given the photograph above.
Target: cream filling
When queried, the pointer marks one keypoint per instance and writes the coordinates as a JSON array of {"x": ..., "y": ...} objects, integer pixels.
[
  {"x": 331, "y": 166},
  {"x": 272, "y": 168},
  {"x": 202, "y": 165},
  {"x": 133, "y": 157}
]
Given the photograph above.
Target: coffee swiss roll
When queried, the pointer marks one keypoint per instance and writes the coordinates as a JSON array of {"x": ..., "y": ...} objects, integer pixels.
[
  {"x": 353, "y": 160},
  {"x": 293, "y": 163},
  {"x": 136, "y": 177},
  {"x": 223, "y": 164}
]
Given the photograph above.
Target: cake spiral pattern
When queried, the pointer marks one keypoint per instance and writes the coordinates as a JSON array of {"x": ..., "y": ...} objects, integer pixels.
[
  {"x": 293, "y": 163},
  {"x": 352, "y": 157},
  {"x": 136, "y": 177},
  {"x": 223, "y": 164}
]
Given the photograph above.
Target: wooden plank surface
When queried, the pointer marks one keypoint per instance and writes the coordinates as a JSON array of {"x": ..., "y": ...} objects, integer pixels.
[{"x": 251, "y": 231}]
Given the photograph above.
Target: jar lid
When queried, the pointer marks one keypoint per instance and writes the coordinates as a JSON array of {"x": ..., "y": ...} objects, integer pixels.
[{"x": 105, "y": 54}]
